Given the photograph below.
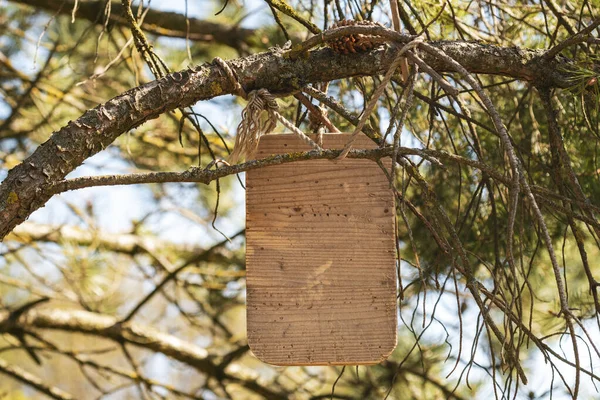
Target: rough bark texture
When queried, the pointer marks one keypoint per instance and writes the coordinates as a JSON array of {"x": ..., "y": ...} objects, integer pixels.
[
  {"x": 23, "y": 191},
  {"x": 162, "y": 23}
]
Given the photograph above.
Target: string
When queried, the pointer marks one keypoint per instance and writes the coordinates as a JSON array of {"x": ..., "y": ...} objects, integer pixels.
[
  {"x": 375, "y": 98},
  {"x": 253, "y": 125}
]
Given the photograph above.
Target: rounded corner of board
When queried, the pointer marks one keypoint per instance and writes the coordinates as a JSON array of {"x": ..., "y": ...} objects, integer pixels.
[{"x": 260, "y": 355}]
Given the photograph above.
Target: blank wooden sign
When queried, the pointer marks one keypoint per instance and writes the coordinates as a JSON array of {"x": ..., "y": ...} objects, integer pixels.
[{"x": 320, "y": 258}]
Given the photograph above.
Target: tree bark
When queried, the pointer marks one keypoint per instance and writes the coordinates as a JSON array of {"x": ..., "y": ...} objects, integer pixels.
[{"x": 24, "y": 189}]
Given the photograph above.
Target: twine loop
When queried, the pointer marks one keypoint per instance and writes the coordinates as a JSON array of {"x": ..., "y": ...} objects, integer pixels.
[
  {"x": 238, "y": 88},
  {"x": 253, "y": 125}
]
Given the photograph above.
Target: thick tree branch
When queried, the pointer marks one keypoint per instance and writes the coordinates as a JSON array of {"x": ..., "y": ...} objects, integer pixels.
[
  {"x": 108, "y": 327},
  {"x": 119, "y": 242},
  {"x": 23, "y": 191},
  {"x": 163, "y": 23}
]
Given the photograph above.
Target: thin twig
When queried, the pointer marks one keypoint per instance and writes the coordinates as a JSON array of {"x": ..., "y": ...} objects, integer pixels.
[
  {"x": 580, "y": 37},
  {"x": 33, "y": 381}
]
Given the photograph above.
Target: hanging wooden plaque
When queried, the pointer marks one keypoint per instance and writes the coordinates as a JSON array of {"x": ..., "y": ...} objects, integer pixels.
[{"x": 320, "y": 258}]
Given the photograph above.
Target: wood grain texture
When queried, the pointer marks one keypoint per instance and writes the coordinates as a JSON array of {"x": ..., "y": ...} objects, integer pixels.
[{"x": 320, "y": 258}]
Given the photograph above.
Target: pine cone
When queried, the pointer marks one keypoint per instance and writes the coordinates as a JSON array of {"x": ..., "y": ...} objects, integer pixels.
[{"x": 355, "y": 43}]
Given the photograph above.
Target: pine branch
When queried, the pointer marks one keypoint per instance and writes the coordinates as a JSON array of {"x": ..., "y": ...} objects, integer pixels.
[{"x": 23, "y": 190}]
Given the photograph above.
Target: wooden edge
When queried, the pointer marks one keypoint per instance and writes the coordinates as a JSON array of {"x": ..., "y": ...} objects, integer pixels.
[{"x": 362, "y": 142}]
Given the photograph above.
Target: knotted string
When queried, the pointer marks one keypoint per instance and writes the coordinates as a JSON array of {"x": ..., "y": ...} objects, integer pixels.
[{"x": 253, "y": 126}]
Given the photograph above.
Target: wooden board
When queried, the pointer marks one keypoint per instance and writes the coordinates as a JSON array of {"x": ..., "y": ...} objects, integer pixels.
[{"x": 320, "y": 258}]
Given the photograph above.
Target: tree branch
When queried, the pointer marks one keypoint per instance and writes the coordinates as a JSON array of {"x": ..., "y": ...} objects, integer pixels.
[
  {"x": 33, "y": 381},
  {"x": 206, "y": 176},
  {"x": 22, "y": 192},
  {"x": 162, "y": 23},
  {"x": 29, "y": 232},
  {"x": 108, "y": 327}
]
